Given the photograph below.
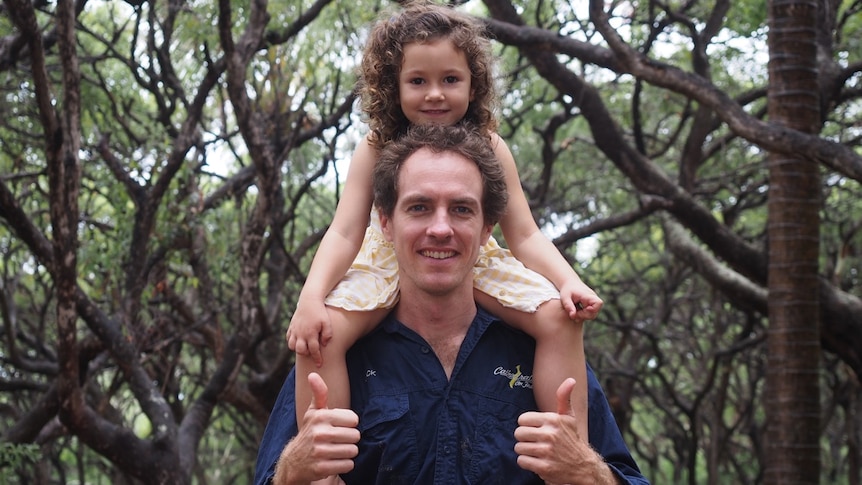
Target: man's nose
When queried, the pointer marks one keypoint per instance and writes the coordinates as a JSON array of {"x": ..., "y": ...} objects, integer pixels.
[{"x": 441, "y": 225}]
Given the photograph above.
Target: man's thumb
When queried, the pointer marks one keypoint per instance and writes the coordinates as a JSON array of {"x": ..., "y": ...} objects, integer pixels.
[
  {"x": 319, "y": 391},
  {"x": 564, "y": 396}
]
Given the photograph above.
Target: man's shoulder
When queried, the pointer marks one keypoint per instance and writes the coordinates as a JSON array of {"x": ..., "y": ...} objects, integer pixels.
[
  {"x": 385, "y": 340},
  {"x": 486, "y": 320},
  {"x": 490, "y": 334}
]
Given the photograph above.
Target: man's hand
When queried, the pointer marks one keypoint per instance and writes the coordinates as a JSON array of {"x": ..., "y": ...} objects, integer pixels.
[
  {"x": 549, "y": 446},
  {"x": 325, "y": 445}
]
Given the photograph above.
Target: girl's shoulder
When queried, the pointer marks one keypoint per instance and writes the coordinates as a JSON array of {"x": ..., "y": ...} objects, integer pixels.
[
  {"x": 498, "y": 142},
  {"x": 495, "y": 137},
  {"x": 372, "y": 141},
  {"x": 364, "y": 155}
]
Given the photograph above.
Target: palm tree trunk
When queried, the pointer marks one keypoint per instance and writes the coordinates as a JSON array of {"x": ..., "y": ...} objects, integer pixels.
[{"x": 792, "y": 396}]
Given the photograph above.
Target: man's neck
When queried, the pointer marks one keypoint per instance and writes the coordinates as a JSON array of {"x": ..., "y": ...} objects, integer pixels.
[{"x": 442, "y": 322}]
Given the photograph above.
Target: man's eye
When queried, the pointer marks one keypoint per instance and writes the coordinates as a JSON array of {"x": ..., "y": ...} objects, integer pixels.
[
  {"x": 463, "y": 210},
  {"x": 416, "y": 208}
]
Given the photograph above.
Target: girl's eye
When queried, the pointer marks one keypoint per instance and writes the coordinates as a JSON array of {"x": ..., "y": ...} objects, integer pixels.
[
  {"x": 417, "y": 80},
  {"x": 450, "y": 79}
]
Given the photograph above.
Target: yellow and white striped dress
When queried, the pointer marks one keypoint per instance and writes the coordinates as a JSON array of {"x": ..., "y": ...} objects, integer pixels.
[{"x": 372, "y": 280}]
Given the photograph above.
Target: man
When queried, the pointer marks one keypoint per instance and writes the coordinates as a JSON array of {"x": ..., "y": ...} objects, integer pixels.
[{"x": 441, "y": 390}]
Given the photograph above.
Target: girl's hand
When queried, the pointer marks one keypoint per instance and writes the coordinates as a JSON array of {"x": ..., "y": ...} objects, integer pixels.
[
  {"x": 309, "y": 330},
  {"x": 579, "y": 300}
]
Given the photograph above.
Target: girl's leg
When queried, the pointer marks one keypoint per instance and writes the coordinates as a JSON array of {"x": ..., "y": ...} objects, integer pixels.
[
  {"x": 559, "y": 353},
  {"x": 347, "y": 328}
]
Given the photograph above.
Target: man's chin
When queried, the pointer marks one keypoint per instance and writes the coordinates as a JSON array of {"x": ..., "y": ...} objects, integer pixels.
[{"x": 439, "y": 287}]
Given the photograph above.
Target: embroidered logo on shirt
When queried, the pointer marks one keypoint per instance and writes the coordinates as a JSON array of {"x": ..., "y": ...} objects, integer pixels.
[
  {"x": 516, "y": 377},
  {"x": 370, "y": 373}
]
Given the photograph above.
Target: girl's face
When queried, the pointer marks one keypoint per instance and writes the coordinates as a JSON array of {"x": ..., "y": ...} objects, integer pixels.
[{"x": 434, "y": 84}]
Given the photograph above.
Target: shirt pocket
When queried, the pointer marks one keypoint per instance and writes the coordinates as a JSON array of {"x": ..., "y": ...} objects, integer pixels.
[
  {"x": 387, "y": 447},
  {"x": 381, "y": 410},
  {"x": 494, "y": 460}
]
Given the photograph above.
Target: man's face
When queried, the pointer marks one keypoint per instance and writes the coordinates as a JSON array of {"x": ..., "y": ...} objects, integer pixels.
[{"x": 437, "y": 226}]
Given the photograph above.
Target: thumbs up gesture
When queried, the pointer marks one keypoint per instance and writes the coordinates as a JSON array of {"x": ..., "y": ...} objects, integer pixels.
[
  {"x": 549, "y": 445},
  {"x": 325, "y": 445}
]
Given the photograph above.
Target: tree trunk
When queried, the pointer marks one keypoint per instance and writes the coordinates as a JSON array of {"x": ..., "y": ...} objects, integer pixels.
[{"x": 792, "y": 398}]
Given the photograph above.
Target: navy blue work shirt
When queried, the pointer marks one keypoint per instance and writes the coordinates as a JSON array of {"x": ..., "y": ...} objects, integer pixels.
[{"x": 417, "y": 426}]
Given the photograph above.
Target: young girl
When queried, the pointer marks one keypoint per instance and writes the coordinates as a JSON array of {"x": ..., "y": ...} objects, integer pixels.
[{"x": 431, "y": 64}]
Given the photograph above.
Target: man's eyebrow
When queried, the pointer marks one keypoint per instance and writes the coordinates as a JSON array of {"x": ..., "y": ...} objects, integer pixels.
[
  {"x": 414, "y": 198},
  {"x": 419, "y": 198},
  {"x": 466, "y": 201}
]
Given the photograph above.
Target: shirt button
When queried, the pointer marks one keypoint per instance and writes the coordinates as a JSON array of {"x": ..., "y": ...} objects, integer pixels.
[{"x": 425, "y": 350}]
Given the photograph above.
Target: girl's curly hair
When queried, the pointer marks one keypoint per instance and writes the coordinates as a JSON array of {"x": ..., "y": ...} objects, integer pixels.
[{"x": 422, "y": 21}]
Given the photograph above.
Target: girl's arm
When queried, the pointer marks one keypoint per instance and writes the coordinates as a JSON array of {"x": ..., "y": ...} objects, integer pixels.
[
  {"x": 310, "y": 326},
  {"x": 536, "y": 251}
]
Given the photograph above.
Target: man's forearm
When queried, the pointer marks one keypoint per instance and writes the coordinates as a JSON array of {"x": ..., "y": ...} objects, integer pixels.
[
  {"x": 609, "y": 477},
  {"x": 600, "y": 473},
  {"x": 283, "y": 476},
  {"x": 293, "y": 470}
]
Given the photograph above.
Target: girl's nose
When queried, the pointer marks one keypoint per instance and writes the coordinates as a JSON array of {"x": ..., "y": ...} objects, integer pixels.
[{"x": 434, "y": 94}]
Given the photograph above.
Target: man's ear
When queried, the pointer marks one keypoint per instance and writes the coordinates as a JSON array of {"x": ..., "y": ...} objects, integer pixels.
[
  {"x": 486, "y": 233},
  {"x": 384, "y": 226}
]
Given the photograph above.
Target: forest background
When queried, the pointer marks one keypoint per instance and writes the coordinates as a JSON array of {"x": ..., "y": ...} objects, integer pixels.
[{"x": 167, "y": 169}]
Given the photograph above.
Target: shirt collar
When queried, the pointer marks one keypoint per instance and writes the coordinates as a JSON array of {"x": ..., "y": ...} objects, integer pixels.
[{"x": 480, "y": 324}]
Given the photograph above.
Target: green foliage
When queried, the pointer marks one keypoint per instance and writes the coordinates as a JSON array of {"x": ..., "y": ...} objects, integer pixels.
[
  {"x": 681, "y": 360},
  {"x": 12, "y": 457},
  {"x": 839, "y": 236},
  {"x": 747, "y": 18}
]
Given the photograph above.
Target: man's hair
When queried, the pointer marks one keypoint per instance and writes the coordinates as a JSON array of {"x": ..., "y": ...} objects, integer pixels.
[
  {"x": 462, "y": 139},
  {"x": 422, "y": 22}
]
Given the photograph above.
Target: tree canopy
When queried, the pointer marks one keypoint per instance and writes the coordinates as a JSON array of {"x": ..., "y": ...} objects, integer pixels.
[{"x": 168, "y": 168}]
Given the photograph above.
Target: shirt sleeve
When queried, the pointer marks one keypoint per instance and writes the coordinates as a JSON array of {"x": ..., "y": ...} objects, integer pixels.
[
  {"x": 280, "y": 429},
  {"x": 605, "y": 436}
]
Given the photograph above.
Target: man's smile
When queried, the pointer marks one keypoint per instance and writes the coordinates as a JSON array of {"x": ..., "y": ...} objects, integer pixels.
[{"x": 438, "y": 254}]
